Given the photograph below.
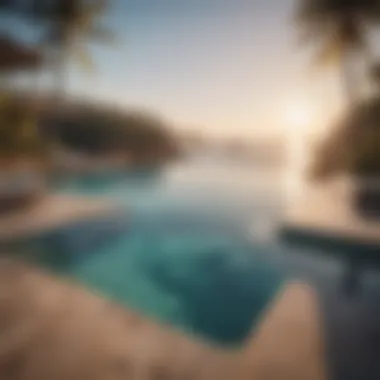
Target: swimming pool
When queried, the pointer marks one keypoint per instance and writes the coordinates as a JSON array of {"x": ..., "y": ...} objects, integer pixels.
[{"x": 194, "y": 245}]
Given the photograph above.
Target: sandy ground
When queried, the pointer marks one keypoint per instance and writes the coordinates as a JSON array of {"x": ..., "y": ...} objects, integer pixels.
[
  {"x": 55, "y": 330},
  {"x": 52, "y": 211}
]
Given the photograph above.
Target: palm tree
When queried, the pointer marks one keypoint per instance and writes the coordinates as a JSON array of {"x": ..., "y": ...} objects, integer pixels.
[
  {"x": 70, "y": 23},
  {"x": 16, "y": 118},
  {"x": 338, "y": 31}
]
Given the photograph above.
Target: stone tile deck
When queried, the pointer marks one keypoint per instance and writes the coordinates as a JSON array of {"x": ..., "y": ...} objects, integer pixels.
[
  {"x": 51, "y": 212},
  {"x": 55, "y": 330}
]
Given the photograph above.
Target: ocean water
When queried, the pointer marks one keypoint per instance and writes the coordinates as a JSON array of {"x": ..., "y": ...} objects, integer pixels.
[{"x": 194, "y": 245}]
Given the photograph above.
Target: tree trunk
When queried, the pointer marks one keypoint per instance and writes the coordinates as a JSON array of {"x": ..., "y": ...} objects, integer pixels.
[
  {"x": 355, "y": 84},
  {"x": 61, "y": 74},
  {"x": 372, "y": 77},
  {"x": 349, "y": 79}
]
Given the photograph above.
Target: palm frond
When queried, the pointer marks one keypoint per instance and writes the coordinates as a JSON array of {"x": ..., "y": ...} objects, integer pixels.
[
  {"x": 353, "y": 146},
  {"x": 324, "y": 8},
  {"x": 96, "y": 7},
  {"x": 83, "y": 57},
  {"x": 70, "y": 24},
  {"x": 332, "y": 27},
  {"x": 101, "y": 34},
  {"x": 317, "y": 14},
  {"x": 330, "y": 53}
]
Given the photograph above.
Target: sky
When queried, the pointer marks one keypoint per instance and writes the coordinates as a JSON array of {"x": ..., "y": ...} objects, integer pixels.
[{"x": 225, "y": 67}]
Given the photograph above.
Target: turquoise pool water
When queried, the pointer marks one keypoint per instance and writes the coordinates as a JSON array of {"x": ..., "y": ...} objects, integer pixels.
[{"x": 194, "y": 245}]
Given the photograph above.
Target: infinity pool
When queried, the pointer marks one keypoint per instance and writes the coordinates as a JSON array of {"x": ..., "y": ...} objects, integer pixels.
[{"x": 194, "y": 245}]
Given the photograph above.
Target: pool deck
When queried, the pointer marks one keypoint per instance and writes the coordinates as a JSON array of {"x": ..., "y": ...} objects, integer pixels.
[
  {"x": 54, "y": 329},
  {"x": 52, "y": 211},
  {"x": 322, "y": 219}
]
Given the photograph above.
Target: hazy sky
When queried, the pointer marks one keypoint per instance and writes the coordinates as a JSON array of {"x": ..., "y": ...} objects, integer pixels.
[{"x": 226, "y": 66}]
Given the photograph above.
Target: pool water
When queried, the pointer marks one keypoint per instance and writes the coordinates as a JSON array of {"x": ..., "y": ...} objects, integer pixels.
[{"x": 194, "y": 245}]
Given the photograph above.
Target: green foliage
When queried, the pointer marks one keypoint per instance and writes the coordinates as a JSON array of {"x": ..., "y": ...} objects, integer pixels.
[
  {"x": 354, "y": 146},
  {"x": 336, "y": 26},
  {"x": 337, "y": 31},
  {"x": 70, "y": 24}
]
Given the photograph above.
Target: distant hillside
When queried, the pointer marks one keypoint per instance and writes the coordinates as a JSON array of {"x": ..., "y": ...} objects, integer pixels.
[{"x": 100, "y": 129}]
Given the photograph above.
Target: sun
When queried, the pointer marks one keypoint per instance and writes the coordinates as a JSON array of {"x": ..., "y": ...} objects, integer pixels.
[{"x": 298, "y": 116}]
